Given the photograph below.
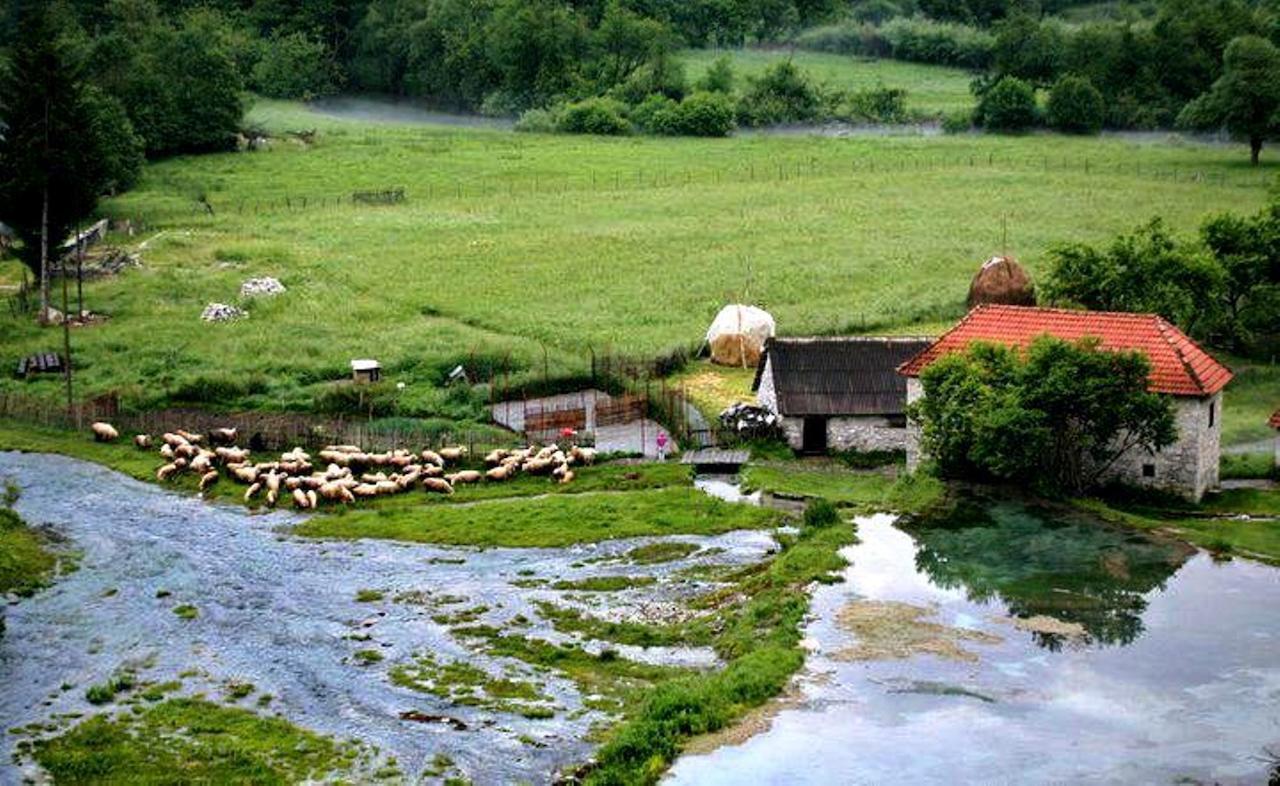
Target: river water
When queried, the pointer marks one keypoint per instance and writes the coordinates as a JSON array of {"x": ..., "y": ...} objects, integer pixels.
[
  {"x": 1164, "y": 668},
  {"x": 281, "y": 613}
]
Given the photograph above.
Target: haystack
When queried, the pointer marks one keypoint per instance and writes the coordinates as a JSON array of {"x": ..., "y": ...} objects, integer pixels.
[
  {"x": 738, "y": 333},
  {"x": 1002, "y": 280}
]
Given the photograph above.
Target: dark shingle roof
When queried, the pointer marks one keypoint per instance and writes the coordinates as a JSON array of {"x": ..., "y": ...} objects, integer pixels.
[{"x": 840, "y": 376}]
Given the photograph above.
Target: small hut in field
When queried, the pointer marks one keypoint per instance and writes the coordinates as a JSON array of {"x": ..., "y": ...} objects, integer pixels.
[{"x": 1002, "y": 281}]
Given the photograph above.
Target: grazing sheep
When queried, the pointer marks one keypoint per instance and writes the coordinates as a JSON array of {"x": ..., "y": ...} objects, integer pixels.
[
  {"x": 167, "y": 471},
  {"x": 194, "y": 439},
  {"x": 180, "y": 463},
  {"x": 387, "y": 487},
  {"x": 232, "y": 455},
  {"x": 432, "y": 471},
  {"x": 252, "y": 491},
  {"x": 272, "y": 496},
  {"x": 567, "y": 477},
  {"x": 452, "y": 455},
  {"x": 373, "y": 477},
  {"x": 312, "y": 500},
  {"x": 186, "y": 450},
  {"x": 536, "y": 466},
  {"x": 166, "y": 452},
  {"x": 208, "y": 479},
  {"x": 142, "y": 441},
  {"x": 246, "y": 474},
  {"x": 173, "y": 440},
  {"x": 222, "y": 436},
  {"x": 465, "y": 476},
  {"x": 494, "y": 457},
  {"x": 104, "y": 432},
  {"x": 365, "y": 490},
  {"x": 432, "y": 457},
  {"x": 437, "y": 485},
  {"x": 409, "y": 479},
  {"x": 583, "y": 455},
  {"x": 501, "y": 472},
  {"x": 300, "y": 500}
]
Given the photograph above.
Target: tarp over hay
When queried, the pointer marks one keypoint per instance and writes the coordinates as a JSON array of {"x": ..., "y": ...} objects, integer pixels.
[
  {"x": 738, "y": 333},
  {"x": 1003, "y": 281}
]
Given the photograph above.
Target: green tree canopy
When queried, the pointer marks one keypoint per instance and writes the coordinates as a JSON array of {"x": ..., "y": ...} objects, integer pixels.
[
  {"x": 1245, "y": 100},
  {"x": 1057, "y": 416},
  {"x": 1075, "y": 106}
]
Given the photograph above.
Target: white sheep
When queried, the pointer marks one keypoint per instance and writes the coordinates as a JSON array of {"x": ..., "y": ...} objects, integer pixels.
[{"x": 104, "y": 432}]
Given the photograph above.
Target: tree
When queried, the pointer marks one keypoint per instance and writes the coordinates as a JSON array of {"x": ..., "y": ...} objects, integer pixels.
[
  {"x": 1145, "y": 271},
  {"x": 1058, "y": 415},
  {"x": 61, "y": 145},
  {"x": 1008, "y": 105},
  {"x": 536, "y": 46},
  {"x": 718, "y": 77},
  {"x": 1075, "y": 106},
  {"x": 623, "y": 42},
  {"x": 294, "y": 66},
  {"x": 1246, "y": 98},
  {"x": 1248, "y": 250}
]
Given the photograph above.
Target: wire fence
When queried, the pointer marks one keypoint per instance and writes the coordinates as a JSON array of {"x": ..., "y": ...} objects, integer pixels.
[{"x": 645, "y": 178}]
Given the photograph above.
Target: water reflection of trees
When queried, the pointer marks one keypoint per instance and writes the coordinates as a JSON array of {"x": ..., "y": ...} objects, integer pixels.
[{"x": 1074, "y": 570}]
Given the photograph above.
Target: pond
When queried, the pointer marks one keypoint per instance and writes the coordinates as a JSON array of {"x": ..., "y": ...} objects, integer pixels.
[
  {"x": 281, "y": 613},
  {"x": 1005, "y": 643}
]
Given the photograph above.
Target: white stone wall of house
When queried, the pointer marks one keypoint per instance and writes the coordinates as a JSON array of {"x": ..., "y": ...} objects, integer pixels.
[
  {"x": 915, "y": 392},
  {"x": 865, "y": 433},
  {"x": 766, "y": 394},
  {"x": 1188, "y": 467},
  {"x": 792, "y": 431}
]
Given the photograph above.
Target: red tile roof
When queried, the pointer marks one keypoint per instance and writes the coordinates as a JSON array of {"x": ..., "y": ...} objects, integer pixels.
[
  {"x": 1179, "y": 366},
  {"x": 1275, "y": 420}
]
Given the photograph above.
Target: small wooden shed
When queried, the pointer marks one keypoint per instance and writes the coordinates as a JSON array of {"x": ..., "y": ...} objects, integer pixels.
[{"x": 365, "y": 371}]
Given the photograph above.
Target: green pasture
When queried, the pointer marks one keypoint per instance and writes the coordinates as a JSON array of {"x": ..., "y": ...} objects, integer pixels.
[
  {"x": 931, "y": 90},
  {"x": 519, "y": 255}
]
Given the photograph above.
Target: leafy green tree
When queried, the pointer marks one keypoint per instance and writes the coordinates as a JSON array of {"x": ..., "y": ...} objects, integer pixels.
[
  {"x": 719, "y": 76},
  {"x": 783, "y": 93},
  {"x": 293, "y": 65},
  {"x": 1029, "y": 49},
  {"x": 623, "y": 42},
  {"x": 1146, "y": 271},
  {"x": 1008, "y": 105},
  {"x": 1075, "y": 106},
  {"x": 1059, "y": 415},
  {"x": 536, "y": 47},
  {"x": 1246, "y": 98},
  {"x": 1248, "y": 250},
  {"x": 594, "y": 116},
  {"x": 62, "y": 144},
  {"x": 704, "y": 114}
]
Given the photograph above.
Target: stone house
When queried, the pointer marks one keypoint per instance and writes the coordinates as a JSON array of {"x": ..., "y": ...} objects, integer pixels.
[
  {"x": 1180, "y": 369},
  {"x": 1274, "y": 422},
  {"x": 837, "y": 393}
]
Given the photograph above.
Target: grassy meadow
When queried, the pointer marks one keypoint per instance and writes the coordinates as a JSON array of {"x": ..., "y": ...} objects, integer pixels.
[
  {"x": 524, "y": 253},
  {"x": 932, "y": 91}
]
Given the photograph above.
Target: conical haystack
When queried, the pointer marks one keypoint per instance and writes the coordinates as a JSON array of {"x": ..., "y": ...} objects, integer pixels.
[
  {"x": 1002, "y": 280},
  {"x": 737, "y": 335}
]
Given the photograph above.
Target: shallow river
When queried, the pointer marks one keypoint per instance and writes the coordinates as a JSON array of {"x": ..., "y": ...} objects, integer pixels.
[
  {"x": 280, "y": 612},
  {"x": 1160, "y": 666}
]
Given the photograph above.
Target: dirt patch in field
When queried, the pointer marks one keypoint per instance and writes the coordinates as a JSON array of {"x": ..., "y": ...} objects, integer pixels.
[{"x": 887, "y": 630}]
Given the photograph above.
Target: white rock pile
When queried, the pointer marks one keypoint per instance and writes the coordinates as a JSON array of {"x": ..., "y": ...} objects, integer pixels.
[
  {"x": 261, "y": 286},
  {"x": 749, "y": 422},
  {"x": 221, "y": 312}
]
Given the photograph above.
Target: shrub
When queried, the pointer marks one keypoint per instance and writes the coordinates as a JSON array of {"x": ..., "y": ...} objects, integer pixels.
[
  {"x": 820, "y": 513},
  {"x": 1009, "y": 105},
  {"x": 782, "y": 94},
  {"x": 845, "y": 38},
  {"x": 719, "y": 76},
  {"x": 957, "y": 122},
  {"x": 601, "y": 116},
  {"x": 538, "y": 121},
  {"x": 943, "y": 43},
  {"x": 705, "y": 114},
  {"x": 1075, "y": 106},
  {"x": 877, "y": 105},
  {"x": 655, "y": 115}
]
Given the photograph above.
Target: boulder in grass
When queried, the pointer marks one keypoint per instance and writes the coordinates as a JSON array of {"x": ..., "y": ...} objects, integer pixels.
[
  {"x": 221, "y": 312},
  {"x": 738, "y": 333},
  {"x": 1003, "y": 281},
  {"x": 266, "y": 286}
]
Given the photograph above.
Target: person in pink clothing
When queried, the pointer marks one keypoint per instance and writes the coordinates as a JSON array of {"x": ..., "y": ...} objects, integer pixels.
[{"x": 662, "y": 446}]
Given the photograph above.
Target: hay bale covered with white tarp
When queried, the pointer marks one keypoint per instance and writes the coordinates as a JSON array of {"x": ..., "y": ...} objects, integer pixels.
[{"x": 738, "y": 333}]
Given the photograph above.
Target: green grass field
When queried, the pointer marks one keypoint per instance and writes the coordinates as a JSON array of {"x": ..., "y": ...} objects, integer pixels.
[
  {"x": 510, "y": 246},
  {"x": 931, "y": 90}
]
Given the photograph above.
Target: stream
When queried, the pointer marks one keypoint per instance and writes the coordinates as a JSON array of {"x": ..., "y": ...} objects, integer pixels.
[
  {"x": 999, "y": 643},
  {"x": 281, "y": 613},
  {"x": 1150, "y": 662}
]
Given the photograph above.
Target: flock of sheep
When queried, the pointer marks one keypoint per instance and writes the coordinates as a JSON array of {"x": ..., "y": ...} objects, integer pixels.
[{"x": 350, "y": 473}]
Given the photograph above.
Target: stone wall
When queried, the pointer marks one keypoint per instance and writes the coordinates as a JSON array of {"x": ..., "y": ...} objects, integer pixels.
[
  {"x": 863, "y": 432},
  {"x": 1188, "y": 467}
]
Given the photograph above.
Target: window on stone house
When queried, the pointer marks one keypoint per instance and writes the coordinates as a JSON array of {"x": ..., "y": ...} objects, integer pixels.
[
  {"x": 897, "y": 421},
  {"x": 1148, "y": 470},
  {"x": 1212, "y": 406}
]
